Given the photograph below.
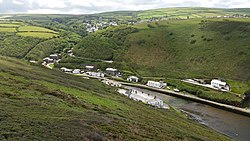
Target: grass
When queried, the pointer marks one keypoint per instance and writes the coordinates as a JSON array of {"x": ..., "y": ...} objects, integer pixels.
[
  {"x": 38, "y": 34},
  {"x": 9, "y": 25},
  {"x": 190, "y": 48},
  {"x": 7, "y": 29},
  {"x": 38, "y": 103},
  {"x": 34, "y": 29}
]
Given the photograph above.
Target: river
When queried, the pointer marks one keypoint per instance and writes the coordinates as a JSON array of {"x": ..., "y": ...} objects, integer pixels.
[{"x": 233, "y": 125}]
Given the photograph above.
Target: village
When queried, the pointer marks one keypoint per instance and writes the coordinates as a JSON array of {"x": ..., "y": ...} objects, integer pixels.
[{"x": 112, "y": 77}]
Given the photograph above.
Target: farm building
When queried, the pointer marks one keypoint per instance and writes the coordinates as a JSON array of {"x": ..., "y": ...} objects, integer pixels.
[
  {"x": 133, "y": 79},
  {"x": 76, "y": 71},
  {"x": 155, "y": 84},
  {"x": 48, "y": 60},
  {"x": 220, "y": 84},
  {"x": 156, "y": 102},
  {"x": 95, "y": 74},
  {"x": 55, "y": 56},
  {"x": 90, "y": 68},
  {"x": 113, "y": 72},
  {"x": 66, "y": 70}
]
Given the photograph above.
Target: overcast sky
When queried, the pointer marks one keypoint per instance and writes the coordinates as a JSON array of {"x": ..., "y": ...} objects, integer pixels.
[{"x": 96, "y": 6}]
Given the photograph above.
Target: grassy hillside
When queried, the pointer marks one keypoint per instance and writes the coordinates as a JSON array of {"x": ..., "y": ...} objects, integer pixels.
[
  {"x": 16, "y": 46},
  {"x": 183, "y": 13},
  {"x": 214, "y": 48},
  {"x": 186, "y": 48},
  {"x": 37, "y": 104}
]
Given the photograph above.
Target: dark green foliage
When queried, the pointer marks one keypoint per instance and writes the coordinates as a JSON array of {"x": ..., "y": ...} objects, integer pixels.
[
  {"x": 192, "y": 41},
  {"x": 118, "y": 34},
  {"x": 44, "y": 49},
  {"x": 247, "y": 93},
  {"x": 150, "y": 26},
  {"x": 17, "y": 46},
  {"x": 94, "y": 47}
]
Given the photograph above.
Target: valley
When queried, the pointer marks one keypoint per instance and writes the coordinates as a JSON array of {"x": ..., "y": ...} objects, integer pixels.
[{"x": 183, "y": 48}]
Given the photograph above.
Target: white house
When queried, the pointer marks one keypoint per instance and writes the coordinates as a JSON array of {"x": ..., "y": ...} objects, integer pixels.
[
  {"x": 220, "y": 84},
  {"x": 96, "y": 74},
  {"x": 66, "y": 70},
  {"x": 155, "y": 84},
  {"x": 156, "y": 102},
  {"x": 90, "y": 68},
  {"x": 133, "y": 79},
  {"x": 48, "y": 60},
  {"x": 113, "y": 72},
  {"x": 76, "y": 71}
]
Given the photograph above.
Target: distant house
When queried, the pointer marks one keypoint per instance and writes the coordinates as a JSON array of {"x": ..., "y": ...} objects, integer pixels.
[
  {"x": 66, "y": 70},
  {"x": 55, "y": 56},
  {"x": 220, "y": 84},
  {"x": 96, "y": 74},
  {"x": 155, "y": 84},
  {"x": 76, "y": 71},
  {"x": 48, "y": 60},
  {"x": 133, "y": 79},
  {"x": 90, "y": 68},
  {"x": 156, "y": 102},
  {"x": 113, "y": 72}
]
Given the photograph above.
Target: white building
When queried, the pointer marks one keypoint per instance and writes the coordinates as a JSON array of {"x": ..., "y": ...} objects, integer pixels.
[
  {"x": 96, "y": 74},
  {"x": 156, "y": 102},
  {"x": 155, "y": 84},
  {"x": 145, "y": 98},
  {"x": 220, "y": 84},
  {"x": 133, "y": 79},
  {"x": 90, "y": 68},
  {"x": 113, "y": 72},
  {"x": 48, "y": 60},
  {"x": 76, "y": 71},
  {"x": 66, "y": 70}
]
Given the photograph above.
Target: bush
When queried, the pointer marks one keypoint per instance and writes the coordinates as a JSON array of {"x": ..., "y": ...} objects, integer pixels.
[
  {"x": 150, "y": 26},
  {"x": 192, "y": 41},
  {"x": 226, "y": 37},
  {"x": 209, "y": 39},
  {"x": 247, "y": 93}
]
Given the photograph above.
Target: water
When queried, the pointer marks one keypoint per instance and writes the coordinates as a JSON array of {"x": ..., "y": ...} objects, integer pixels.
[{"x": 228, "y": 123}]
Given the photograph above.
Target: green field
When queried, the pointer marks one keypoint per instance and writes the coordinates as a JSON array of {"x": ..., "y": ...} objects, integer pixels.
[
  {"x": 6, "y": 29},
  {"x": 37, "y": 103},
  {"x": 38, "y": 34},
  {"x": 9, "y": 25},
  {"x": 34, "y": 29}
]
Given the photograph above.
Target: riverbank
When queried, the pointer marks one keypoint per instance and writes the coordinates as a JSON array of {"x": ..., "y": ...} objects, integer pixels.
[{"x": 242, "y": 111}]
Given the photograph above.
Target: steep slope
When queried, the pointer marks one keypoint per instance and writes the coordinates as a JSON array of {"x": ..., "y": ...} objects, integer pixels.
[
  {"x": 41, "y": 104},
  {"x": 213, "y": 47},
  {"x": 184, "y": 48}
]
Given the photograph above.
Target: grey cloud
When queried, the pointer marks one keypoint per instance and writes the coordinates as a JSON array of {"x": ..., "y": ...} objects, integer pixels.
[{"x": 8, "y": 6}]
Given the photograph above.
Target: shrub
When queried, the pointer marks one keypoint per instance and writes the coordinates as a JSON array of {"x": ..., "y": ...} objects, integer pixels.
[
  {"x": 247, "y": 93},
  {"x": 209, "y": 39},
  {"x": 226, "y": 37},
  {"x": 150, "y": 26},
  {"x": 192, "y": 41}
]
